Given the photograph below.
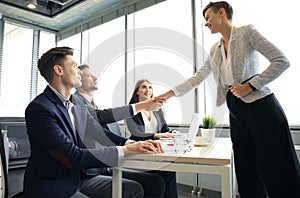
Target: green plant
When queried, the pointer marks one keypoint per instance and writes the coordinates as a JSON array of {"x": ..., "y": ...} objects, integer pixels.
[{"x": 209, "y": 122}]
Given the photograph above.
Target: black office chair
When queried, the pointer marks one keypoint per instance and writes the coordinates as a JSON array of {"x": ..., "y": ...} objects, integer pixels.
[
  {"x": 5, "y": 153},
  {"x": 3, "y": 165}
]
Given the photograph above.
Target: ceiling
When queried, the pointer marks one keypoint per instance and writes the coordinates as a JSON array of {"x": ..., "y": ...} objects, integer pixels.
[{"x": 55, "y": 15}]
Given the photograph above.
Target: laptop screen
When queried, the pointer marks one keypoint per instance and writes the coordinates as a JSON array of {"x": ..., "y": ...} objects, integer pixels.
[{"x": 194, "y": 127}]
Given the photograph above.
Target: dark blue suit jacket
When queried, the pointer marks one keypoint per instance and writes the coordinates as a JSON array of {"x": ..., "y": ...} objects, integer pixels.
[{"x": 57, "y": 153}]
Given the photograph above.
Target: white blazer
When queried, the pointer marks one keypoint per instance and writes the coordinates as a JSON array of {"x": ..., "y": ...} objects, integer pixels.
[{"x": 246, "y": 41}]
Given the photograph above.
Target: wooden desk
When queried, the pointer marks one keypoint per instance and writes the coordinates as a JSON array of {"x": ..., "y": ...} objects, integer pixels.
[{"x": 213, "y": 159}]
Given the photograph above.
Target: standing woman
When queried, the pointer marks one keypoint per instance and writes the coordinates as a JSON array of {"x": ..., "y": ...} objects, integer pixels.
[
  {"x": 264, "y": 154},
  {"x": 146, "y": 124}
]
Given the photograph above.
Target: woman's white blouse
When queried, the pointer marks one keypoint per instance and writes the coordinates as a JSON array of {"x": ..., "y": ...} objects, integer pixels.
[{"x": 151, "y": 125}]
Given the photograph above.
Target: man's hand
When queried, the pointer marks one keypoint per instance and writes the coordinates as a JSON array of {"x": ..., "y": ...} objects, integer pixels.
[
  {"x": 153, "y": 104},
  {"x": 148, "y": 146},
  {"x": 157, "y": 146}
]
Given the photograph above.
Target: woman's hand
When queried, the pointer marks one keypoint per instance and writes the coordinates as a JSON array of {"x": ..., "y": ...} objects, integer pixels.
[
  {"x": 165, "y": 96},
  {"x": 240, "y": 90},
  {"x": 163, "y": 135}
]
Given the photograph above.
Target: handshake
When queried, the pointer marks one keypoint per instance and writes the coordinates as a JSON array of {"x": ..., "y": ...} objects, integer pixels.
[{"x": 154, "y": 104}]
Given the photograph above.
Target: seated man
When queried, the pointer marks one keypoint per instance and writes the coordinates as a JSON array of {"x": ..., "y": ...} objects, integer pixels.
[
  {"x": 56, "y": 127},
  {"x": 85, "y": 93},
  {"x": 108, "y": 117}
]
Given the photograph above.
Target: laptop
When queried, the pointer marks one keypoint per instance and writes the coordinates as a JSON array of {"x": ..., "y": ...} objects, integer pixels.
[
  {"x": 183, "y": 142},
  {"x": 194, "y": 127}
]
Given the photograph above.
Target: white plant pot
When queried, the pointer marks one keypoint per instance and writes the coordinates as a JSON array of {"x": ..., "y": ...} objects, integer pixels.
[{"x": 209, "y": 135}]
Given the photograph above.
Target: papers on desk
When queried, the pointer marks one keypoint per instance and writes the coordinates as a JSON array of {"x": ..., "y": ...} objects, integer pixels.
[
  {"x": 167, "y": 144},
  {"x": 181, "y": 143}
]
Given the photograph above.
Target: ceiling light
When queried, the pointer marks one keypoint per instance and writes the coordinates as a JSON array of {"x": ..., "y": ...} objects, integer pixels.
[{"x": 32, "y": 4}]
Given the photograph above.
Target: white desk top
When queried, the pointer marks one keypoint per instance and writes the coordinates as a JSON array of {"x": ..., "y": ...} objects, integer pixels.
[{"x": 217, "y": 153}]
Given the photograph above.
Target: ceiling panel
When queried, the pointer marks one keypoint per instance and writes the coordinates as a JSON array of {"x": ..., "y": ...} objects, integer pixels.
[
  {"x": 55, "y": 15},
  {"x": 48, "y": 8}
]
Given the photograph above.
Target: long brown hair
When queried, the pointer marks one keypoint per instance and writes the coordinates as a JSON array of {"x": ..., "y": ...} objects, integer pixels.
[{"x": 135, "y": 98}]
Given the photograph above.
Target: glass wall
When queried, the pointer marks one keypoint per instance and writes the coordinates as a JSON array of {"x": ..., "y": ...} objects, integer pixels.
[{"x": 154, "y": 43}]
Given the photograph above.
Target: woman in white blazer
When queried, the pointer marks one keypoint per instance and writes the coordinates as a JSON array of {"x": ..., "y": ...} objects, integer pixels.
[{"x": 264, "y": 154}]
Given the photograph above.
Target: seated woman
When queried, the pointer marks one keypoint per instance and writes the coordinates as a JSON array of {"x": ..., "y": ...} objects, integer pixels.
[
  {"x": 151, "y": 125},
  {"x": 146, "y": 124}
]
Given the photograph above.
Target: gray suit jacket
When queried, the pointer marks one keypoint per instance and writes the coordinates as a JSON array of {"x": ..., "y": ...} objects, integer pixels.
[
  {"x": 246, "y": 41},
  {"x": 106, "y": 116}
]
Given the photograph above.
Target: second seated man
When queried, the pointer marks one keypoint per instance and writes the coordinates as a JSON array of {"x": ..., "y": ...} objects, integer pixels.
[{"x": 155, "y": 183}]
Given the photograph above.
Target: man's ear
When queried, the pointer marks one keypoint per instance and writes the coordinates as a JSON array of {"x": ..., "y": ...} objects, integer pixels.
[{"x": 58, "y": 70}]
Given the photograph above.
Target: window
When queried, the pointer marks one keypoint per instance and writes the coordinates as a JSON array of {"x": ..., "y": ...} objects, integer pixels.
[
  {"x": 47, "y": 41},
  {"x": 159, "y": 47},
  {"x": 73, "y": 42},
  {"x": 207, "y": 95},
  {"x": 277, "y": 29},
  {"x": 268, "y": 24},
  {"x": 103, "y": 51},
  {"x": 160, "y": 50},
  {"x": 16, "y": 68}
]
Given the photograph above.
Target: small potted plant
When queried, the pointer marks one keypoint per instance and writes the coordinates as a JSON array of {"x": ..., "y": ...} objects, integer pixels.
[{"x": 208, "y": 131}]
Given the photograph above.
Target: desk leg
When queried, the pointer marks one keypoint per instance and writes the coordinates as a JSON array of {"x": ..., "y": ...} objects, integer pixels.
[
  {"x": 117, "y": 183},
  {"x": 227, "y": 183}
]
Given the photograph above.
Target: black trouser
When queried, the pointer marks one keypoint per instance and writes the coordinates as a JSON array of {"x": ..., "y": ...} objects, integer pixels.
[
  {"x": 155, "y": 184},
  {"x": 150, "y": 186},
  {"x": 264, "y": 154}
]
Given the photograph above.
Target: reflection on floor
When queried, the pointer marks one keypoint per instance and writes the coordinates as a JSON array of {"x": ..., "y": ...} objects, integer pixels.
[
  {"x": 185, "y": 191},
  {"x": 204, "y": 194}
]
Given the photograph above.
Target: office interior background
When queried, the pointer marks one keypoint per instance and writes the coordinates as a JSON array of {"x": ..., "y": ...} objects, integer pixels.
[{"x": 162, "y": 41}]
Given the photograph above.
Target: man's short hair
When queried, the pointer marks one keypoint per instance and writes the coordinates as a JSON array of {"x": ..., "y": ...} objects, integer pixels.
[
  {"x": 55, "y": 56},
  {"x": 81, "y": 67}
]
